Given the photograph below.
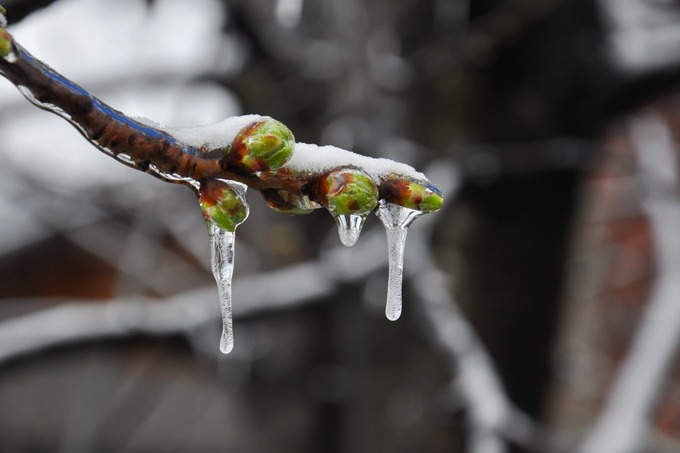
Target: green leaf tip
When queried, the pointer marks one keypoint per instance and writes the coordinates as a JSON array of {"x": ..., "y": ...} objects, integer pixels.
[
  {"x": 221, "y": 204},
  {"x": 261, "y": 148},
  {"x": 3, "y": 10},
  {"x": 419, "y": 195},
  {"x": 348, "y": 191}
]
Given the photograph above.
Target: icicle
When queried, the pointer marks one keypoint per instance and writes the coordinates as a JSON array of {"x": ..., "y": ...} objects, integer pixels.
[
  {"x": 222, "y": 260},
  {"x": 224, "y": 208},
  {"x": 396, "y": 220},
  {"x": 349, "y": 228}
]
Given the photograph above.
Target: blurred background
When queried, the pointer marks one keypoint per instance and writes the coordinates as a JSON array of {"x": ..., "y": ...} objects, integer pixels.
[{"x": 541, "y": 305}]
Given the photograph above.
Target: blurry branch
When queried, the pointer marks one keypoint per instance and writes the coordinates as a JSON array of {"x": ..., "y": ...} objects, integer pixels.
[
  {"x": 492, "y": 417},
  {"x": 623, "y": 426},
  {"x": 84, "y": 321},
  {"x": 70, "y": 323}
]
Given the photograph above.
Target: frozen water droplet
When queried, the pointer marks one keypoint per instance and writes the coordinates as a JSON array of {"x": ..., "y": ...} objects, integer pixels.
[
  {"x": 396, "y": 220},
  {"x": 349, "y": 228},
  {"x": 222, "y": 260}
]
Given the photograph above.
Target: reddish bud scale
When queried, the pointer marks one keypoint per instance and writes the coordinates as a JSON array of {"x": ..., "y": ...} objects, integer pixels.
[
  {"x": 328, "y": 185},
  {"x": 238, "y": 153},
  {"x": 397, "y": 192}
]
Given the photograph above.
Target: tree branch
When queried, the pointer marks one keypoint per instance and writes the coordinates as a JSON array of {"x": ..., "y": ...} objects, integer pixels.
[
  {"x": 256, "y": 151},
  {"x": 623, "y": 426}
]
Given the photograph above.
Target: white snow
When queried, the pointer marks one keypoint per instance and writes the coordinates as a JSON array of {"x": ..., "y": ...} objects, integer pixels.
[
  {"x": 3, "y": 21},
  {"x": 216, "y": 135},
  {"x": 307, "y": 158},
  {"x": 318, "y": 159}
]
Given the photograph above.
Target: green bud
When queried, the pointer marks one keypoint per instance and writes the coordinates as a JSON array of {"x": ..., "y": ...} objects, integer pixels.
[
  {"x": 348, "y": 191},
  {"x": 221, "y": 204},
  {"x": 418, "y": 195},
  {"x": 285, "y": 202},
  {"x": 5, "y": 43},
  {"x": 261, "y": 148}
]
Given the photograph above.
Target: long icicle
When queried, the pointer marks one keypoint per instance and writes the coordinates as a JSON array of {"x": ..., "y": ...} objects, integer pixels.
[
  {"x": 224, "y": 208},
  {"x": 396, "y": 220},
  {"x": 222, "y": 262}
]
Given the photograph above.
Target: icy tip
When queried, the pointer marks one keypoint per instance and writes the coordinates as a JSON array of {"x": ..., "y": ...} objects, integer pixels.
[
  {"x": 392, "y": 314},
  {"x": 226, "y": 347},
  {"x": 349, "y": 228}
]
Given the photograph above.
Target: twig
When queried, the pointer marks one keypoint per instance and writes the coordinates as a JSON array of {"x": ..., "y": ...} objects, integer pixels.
[
  {"x": 253, "y": 154},
  {"x": 623, "y": 426},
  {"x": 70, "y": 323}
]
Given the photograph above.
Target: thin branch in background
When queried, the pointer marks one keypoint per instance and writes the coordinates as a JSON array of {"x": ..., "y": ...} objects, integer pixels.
[
  {"x": 492, "y": 420},
  {"x": 624, "y": 424}
]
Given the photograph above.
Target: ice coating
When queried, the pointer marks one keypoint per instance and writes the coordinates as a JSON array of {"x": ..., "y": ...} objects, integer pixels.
[
  {"x": 319, "y": 159},
  {"x": 349, "y": 228},
  {"x": 222, "y": 263},
  {"x": 396, "y": 220}
]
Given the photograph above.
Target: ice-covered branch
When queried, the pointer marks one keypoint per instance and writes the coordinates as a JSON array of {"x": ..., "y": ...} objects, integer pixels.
[
  {"x": 253, "y": 150},
  {"x": 623, "y": 426},
  {"x": 219, "y": 162}
]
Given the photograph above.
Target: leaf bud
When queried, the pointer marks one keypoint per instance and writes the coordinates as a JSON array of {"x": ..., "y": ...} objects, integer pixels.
[
  {"x": 222, "y": 203},
  {"x": 261, "y": 148}
]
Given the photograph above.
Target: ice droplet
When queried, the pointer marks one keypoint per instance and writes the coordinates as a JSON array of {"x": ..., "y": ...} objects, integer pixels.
[
  {"x": 396, "y": 220},
  {"x": 222, "y": 263},
  {"x": 349, "y": 228}
]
